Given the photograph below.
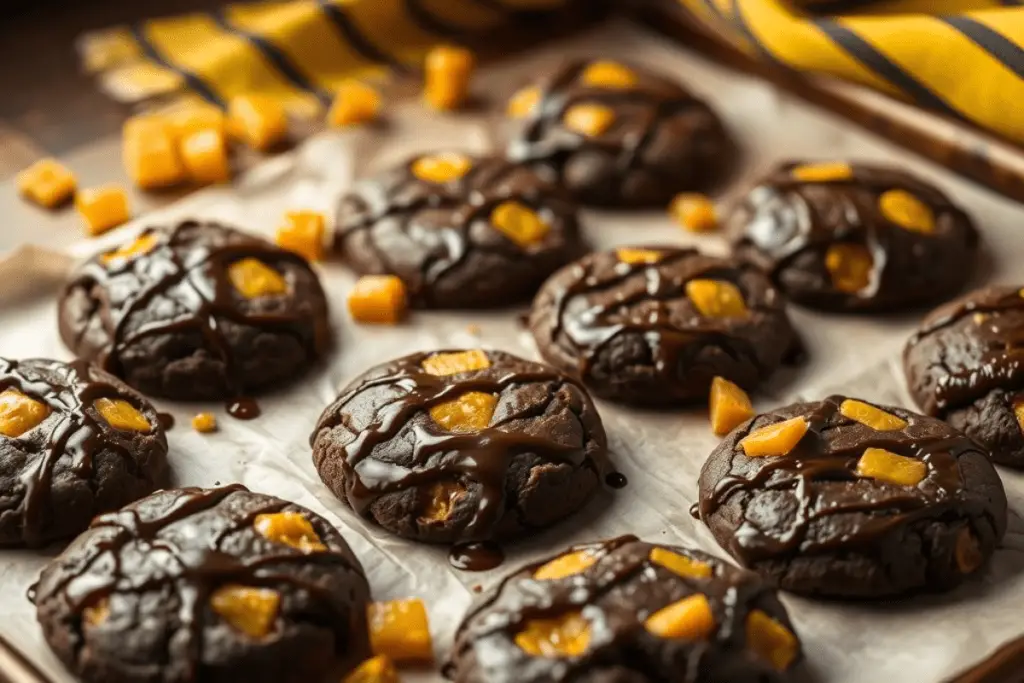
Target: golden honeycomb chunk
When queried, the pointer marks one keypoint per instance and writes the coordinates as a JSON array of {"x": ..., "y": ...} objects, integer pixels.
[
  {"x": 567, "y": 635},
  {"x": 252, "y": 279},
  {"x": 47, "y": 183},
  {"x": 907, "y": 211},
  {"x": 849, "y": 266},
  {"x": 688, "y": 619},
  {"x": 470, "y": 412},
  {"x": 20, "y": 413},
  {"x": 149, "y": 151},
  {"x": 249, "y": 610},
  {"x": 303, "y": 234},
  {"x": 716, "y": 298},
  {"x": 589, "y": 120},
  {"x": 566, "y": 565},
  {"x": 639, "y": 256},
  {"x": 775, "y": 439},
  {"x": 444, "y": 496},
  {"x": 205, "y": 155},
  {"x": 258, "y": 121},
  {"x": 448, "y": 70},
  {"x": 196, "y": 117},
  {"x": 289, "y": 528},
  {"x": 870, "y": 416},
  {"x": 883, "y": 465},
  {"x": 354, "y": 103},
  {"x": 399, "y": 630},
  {"x": 680, "y": 564},
  {"x": 824, "y": 172},
  {"x": 519, "y": 223},
  {"x": 121, "y": 414},
  {"x": 204, "y": 423},
  {"x": 379, "y": 299},
  {"x": 102, "y": 208},
  {"x": 771, "y": 641},
  {"x": 610, "y": 75},
  {"x": 377, "y": 669},
  {"x": 524, "y": 102},
  {"x": 444, "y": 364},
  {"x": 141, "y": 245},
  {"x": 96, "y": 614},
  {"x": 1018, "y": 410},
  {"x": 730, "y": 406},
  {"x": 441, "y": 168},
  {"x": 695, "y": 212}
]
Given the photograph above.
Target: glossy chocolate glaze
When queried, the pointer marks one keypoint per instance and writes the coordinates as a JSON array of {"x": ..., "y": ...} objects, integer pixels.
[
  {"x": 664, "y": 139},
  {"x": 476, "y": 557},
  {"x": 65, "y": 446},
  {"x": 785, "y": 225},
  {"x": 811, "y": 503},
  {"x": 180, "y": 289},
  {"x": 181, "y": 545},
  {"x": 615, "y": 595},
  {"x": 438, "y": 237},
  {"x": 597, "y": 305},
  {"x": 1005, "y": 665},
  {"x": 372, "y": 468}
]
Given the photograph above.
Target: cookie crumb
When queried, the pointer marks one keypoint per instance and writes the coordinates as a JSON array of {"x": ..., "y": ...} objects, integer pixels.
[{"x": 473, "y": 329}]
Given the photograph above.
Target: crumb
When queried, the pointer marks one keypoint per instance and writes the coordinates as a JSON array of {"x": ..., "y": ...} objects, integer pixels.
[
  {"x": 473, "y": 329},
  {"x": 477, "y": 588}
]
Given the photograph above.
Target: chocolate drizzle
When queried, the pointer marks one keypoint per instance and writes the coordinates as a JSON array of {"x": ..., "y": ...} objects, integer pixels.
[
  {"x": 438, "y": 237},
  {"x": 476, "y": 557},
  {"x": 602, "y": 313},
  {"x": 615, "y": 595},
  {"x": 177, "y": 547},
  {"x": 64, "y": 451},
  {"x": 822, "y": 507},
  {"x": 177, "y": 301},
  {"x": 663, "y": 140},
  {"x": 392, "y": 448},
  {"x": 244, "y": 409},
  {"x": 786, "y": 225}
]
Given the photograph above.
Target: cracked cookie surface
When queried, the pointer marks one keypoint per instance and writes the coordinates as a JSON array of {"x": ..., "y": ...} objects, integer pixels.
[
  {"x": 616, "y": 134},
  {"x": 460, "y": 231},
  {"x": 655, "y": 325},
  {"x": 849, "y": 499},
  {"x": 74, "y": 442},
  {"x": 625, "y": 611},
  {"x": 461, "y": 446},
  {"x": 196, "y": 311},
  {"x": 965, "y": 364},
  {"x": 854, "y": 237},
  {"x": 215, "y": 585}
]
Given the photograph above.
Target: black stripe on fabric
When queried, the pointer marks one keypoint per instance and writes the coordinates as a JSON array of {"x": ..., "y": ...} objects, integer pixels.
[
  {"x": 350, "y": 34},
  {"x": 867, "y": 55},
  {"x": 278, "y": 59},
  {"x": 191, "y": 80},
  {"x": 993, "y": 42},
  {"x": 741, "y": 23},
  {"x": 422, "y": 16}
]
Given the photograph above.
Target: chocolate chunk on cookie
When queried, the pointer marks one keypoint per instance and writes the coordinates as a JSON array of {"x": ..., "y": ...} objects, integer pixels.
[
  {"x": 627, "y": 611},
  {"x": 459, "y": 231},
  {"x": 853, "y": 237},
  {"x": 197, "y": 311},
  {"x": 966, "y": 365},
  {"x": 216, "y": 585},
  {"x": 655, "y": 325},
  {"x": 461, "y": 446},
  {"x": 619, "y": 135},
  {"x": 848, "y": 499},
  {"x": 74, "y": 442}
]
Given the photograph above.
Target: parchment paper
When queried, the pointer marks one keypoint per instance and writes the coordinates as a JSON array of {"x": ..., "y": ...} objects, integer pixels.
[{"x": 922, "y": 640}]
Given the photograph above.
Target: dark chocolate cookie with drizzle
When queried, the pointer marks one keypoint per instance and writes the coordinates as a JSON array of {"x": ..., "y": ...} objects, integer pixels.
[
  {"x": 74, "y": 442},
  {"x": 459, "y": 231},
  {"x": 655, "y": 325},
  {"x": 625, "y": 611},
  {"x": 619, "y": 135},
  {"x": 196, "y": 311},
  {"x": 966, "y": 365},
  {"x": 844, "y": 498},
  {"x": 461, "y": 446},
  {"x": 212, "y": 585},
  {"x": 854, "y": 237}
]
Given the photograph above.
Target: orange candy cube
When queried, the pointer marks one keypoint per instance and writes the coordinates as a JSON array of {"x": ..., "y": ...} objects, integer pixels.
[
  {"x": 377, "y": 299},
  {"x": 205, "y": 153},
  {"x": 47, "y": 183},
  {"x": 303, "y": 233},
  {"x": 258, "y": 121},
  {"x": 102, "y": 208},
  {"x": 400, "y": 630},
  {"x": 150, "y": 153},
  {"x": 448, "y": 70},
  {"x": 356, "y": 102}
]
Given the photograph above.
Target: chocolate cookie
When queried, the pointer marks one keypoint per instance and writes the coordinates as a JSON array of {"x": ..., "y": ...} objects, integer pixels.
[
  {"x": 844, "y": 237},
  {"x": 197, "y": 311},
  {"x": 460, "y": 231},
  {"x": 74, "y": 442},
  {"x": 461, "y": 446},
  {"x": 654, "y": 325},
  {"x": 966, "y": 365},
  {"x": 625, "y": 611},
  {"x": 213, "y": 585},
  {"x": 619, "y": 135},
  {"x": 847, "y": 499}
]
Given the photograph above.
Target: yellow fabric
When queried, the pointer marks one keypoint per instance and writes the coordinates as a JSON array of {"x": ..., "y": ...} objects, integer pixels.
[
  {"x": 296, "y": 51},
  {"x": 961, "y": 57}
]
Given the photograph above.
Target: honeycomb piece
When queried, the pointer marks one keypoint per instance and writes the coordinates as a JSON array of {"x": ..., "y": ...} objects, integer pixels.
[
  {"x": 524, "y": 102},
  {"x": 377, "y": 669},
  {"x": 567, "y": 635},
  {"x": 907, "y": 211},
  {"x": 399, "y": 630},
  {"x": 444, "y": 496},
  {"x": 303, "y": 234},
  {"x": 251, "y": 611},
  {"x": 102, "y": 208},
  {"x": 442, "y": 168},
  {"x": 608, "y": 74},
  {"x": 776, "y": 439},
  {"x": 519, "y": 223},
  {"x": 204, "y": 423},
  {"x": 688, "y": 619},
  {"x": 96, "y": 614},
  {"x": 252, "y": 279},
  {"x": 143, "y": 244},
  {"x": 716, "y": 298},
  {"x": 883, "y": 465},
  {"x": 205, "y": 154},
  {"x": 149, "y": 151},
  {"x": 355, "y": 103},
  {"x": 448, "y": 70},
  {"x": 589, "y": 120},
  {"x": 291, "y": 529},
  {"x": 824, "y": 172},
  {"x": 695, "y": 212},
  {"x": 849, "y": 266},
  {"x": 870, "y": 416},
  {"x": 566, "y": 565},
  {"x": 639, "y": 256},
  {"x": 20, "y": 413},
  {"x": 680, "y": 564},
  {"x": 121, "y": 414},
  {"x": 730, "y": 406},
  {"x": 258, "y": 121},
  {"x": 443, "y": 364},
  {"x": 47, "y": 183},
  {"x": 470, "y": 412},
  {"x": 377, "y": 299},
  {"x": 771, "y": 641}
]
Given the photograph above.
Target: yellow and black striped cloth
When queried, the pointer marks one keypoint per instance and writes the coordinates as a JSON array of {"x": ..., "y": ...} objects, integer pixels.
[{"x": 959, "y": 57}]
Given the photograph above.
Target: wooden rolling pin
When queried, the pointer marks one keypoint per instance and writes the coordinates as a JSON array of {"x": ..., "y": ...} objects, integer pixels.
[{"x": 955, "y": 144}]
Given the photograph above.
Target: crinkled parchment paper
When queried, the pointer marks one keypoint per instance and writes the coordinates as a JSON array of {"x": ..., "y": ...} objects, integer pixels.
[{"x": 661, "y": 453}]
